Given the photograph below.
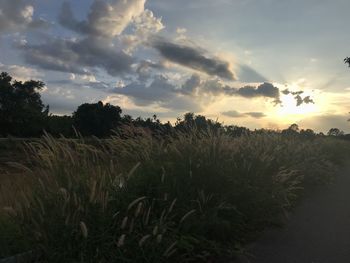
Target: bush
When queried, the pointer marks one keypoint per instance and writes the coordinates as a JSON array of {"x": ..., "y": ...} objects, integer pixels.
[{"x": 193, "y": 197}]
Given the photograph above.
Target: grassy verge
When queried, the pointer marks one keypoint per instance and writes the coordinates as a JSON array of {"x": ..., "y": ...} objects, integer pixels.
[{"x": 197, "y": 197}]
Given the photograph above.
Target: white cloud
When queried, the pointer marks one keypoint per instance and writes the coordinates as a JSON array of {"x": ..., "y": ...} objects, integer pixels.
[
  {"x": 21, "y": 73},
  {"x": 106, "y": 18},
  {"x": 143, "y": 27}
]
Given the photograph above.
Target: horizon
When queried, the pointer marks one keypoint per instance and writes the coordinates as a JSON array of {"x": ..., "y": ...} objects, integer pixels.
[{"x": 247, "y": 63}]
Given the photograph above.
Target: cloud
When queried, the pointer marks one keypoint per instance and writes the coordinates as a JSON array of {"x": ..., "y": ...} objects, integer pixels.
[
  {"x": 256, "y": 114},
  {"x": 297, "y": 96},
  {"x": 191, "y": 84},
  {"x": 266, "y": 90},
  {"x": 195, "y": 89},
  {"x": 105, "y": 19},
  {"x": 190, "y": 94},
  {"x": 97, "y": 46},
  {"x": 263, "y": 90},
  {"x": 306, "y": 100},
  {"x": 193, "y": 58},
  {"x": 214, "y": 87},
  {"x": 287, "y": 92},
  {"x": 160, "y": 91},
  {"x": 78, "y": 56},
  {"x": 236, "y": 114},
  {"x": 145, "y": 67},
  {"x": 143, "y": 26},
  {"x": 196, "y": 86},
  {"x": 21, "y": 73},
  {"x": 146, "y": 24},
  {"x": 157, "y": 91},
  {"x": 17, "y": 15},
  {"x": 233, "y": 114}
]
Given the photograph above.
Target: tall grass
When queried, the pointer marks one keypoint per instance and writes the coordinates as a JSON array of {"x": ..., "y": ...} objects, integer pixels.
[{"x": 191, "y": 197}]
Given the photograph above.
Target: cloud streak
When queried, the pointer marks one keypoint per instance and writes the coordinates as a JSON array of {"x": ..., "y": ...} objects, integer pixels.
[
  {"x": 237, "y": 114},
  {"x": 193, "y": 58}
]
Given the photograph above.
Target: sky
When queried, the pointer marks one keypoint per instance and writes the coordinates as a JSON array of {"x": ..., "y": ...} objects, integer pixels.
[{"x": 253, "y": 63}]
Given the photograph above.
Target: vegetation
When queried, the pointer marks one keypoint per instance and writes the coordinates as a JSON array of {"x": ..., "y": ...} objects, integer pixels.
[
  {"x": 22, "y": 112},
  {"x": 195, "y": 196}
]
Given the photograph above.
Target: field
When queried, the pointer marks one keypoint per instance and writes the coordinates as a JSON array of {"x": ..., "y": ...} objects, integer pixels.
[{"x": 192, "y": 197}]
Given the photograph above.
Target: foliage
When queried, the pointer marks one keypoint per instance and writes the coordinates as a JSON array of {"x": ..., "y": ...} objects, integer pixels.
[
  {"x": 192, "y": 197},
  {"x": 347, "y": 61},
  {"x": 96, "y": 119},
  {"x": 60, "y": 125},
  {"x": 22, "y": 112},
  {"x": 335, "y": 132}
]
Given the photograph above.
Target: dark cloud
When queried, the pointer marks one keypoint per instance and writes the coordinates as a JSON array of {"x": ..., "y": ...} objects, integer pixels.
[
  {"x": 145, "y": 67},
  {"x": 237, "y": 114},
  {"x": 297, "y": 96},
  {"x": 66, "y": 18},
  {"x": 306, "y": 100},
  {"x": 233, "y": 114},
  {"x": 17, "y": 15},
  {"x": 193, "y": 58},
  {"x": 295, "y": 93},
  {"x": 78, "y": 56},
  {"x": 257, "y": 115},
  {"x": 191, "y": 84},
  {"x": 266, "y": 90},
  {"x": 159, "y": 91},
  {"x": 263, "y": 90}
]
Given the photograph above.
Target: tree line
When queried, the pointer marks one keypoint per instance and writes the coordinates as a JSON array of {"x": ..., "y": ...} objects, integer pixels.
[{"x": 23, "y": 114}]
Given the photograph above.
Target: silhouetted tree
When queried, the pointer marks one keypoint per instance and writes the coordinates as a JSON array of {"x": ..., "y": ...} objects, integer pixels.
[
  {"x": 294, "y": 127},
  {"x": 198, "y": 122},
  {"x": 154, "y": 125},
  {"x": 236, "y": 131},
  {"x": 293, "y": 130},
  {"x": 60, "y": 125},
  {"x": 308, "y": 133},
  {"x": 22, "y": 112},
  {"x": 335, "y": 132},
  {"x": 97, "y": 119}
]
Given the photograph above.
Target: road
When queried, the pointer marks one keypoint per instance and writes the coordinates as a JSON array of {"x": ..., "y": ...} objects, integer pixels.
[{"x": 318, "y": 230}]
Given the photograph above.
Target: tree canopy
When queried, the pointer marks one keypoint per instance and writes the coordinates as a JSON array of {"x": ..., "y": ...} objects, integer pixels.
[
  {"x": 96, "y": 119},
  {"x": 22, "y": 113}
]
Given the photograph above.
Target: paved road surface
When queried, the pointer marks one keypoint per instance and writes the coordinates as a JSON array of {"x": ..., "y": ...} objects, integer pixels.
[{"x": 318, "y": 230}]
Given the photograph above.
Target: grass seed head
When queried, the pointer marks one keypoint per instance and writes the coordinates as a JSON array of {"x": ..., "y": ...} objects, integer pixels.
[{"x": 84, "y": 229}]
